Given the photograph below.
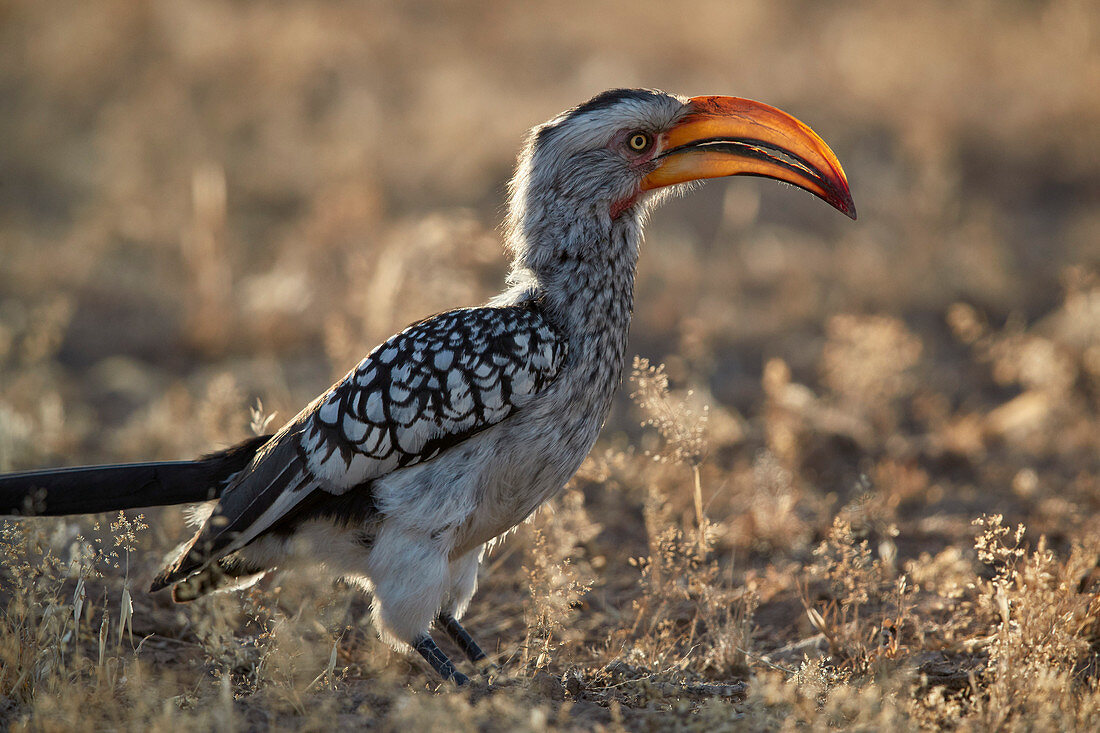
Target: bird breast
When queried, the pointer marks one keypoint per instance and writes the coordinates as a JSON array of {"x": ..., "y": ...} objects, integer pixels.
[
  {"x": 489, "y": 483},
  {"x": 493, "y": 481}
]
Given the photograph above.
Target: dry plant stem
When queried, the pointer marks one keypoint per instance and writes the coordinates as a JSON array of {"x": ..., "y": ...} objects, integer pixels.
[{"x": 700, "y": 519}]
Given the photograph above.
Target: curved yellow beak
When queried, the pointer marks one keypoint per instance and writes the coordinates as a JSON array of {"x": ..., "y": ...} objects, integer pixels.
[{"x": 729, "y": 136}]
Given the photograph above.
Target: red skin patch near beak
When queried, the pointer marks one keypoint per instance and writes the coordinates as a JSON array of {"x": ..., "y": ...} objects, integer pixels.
[{"x": 618, "y": 207}]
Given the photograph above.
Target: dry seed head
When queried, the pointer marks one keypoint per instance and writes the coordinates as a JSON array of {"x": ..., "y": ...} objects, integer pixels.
[
  {"x": 126, "y": 530},
  {"x": 682, "y": 426},
  {"x": 260, "y": 420}
]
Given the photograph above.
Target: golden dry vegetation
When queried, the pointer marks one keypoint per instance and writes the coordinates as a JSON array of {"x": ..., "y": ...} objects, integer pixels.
[{"x": 861, "y": 492}]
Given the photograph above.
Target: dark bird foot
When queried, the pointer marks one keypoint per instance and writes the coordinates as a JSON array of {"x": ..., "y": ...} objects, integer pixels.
[
  {"x": 490, "y": 671},
  {"x": 439, "y": 661}
]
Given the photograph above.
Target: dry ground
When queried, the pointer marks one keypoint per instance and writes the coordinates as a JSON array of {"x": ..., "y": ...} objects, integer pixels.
[{"x": 204, "y": 204}]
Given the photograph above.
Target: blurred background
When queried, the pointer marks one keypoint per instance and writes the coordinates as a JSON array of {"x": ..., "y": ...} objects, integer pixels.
[
  {"x": 203, "y": 204},
  {"x": 215, "y": 198}
]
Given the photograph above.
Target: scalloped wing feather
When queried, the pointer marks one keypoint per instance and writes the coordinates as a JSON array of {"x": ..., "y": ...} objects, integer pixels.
[{"x": 426, "y": 389}]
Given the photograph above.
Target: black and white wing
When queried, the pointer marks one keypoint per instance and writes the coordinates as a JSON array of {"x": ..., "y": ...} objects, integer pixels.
[{"x": 431, "y": 386}]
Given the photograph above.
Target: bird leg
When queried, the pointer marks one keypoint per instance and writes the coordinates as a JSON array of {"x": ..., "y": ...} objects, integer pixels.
[
  {"x": 462, "y": 638},
  {"x": 439, "y": 661},
  {"x": 469, "y": 647}
]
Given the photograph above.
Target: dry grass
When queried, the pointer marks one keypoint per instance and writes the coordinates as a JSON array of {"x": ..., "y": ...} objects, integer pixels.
[{"x": 209, "y": 203}]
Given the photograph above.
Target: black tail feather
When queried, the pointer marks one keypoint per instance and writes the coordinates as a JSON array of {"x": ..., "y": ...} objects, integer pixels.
[{"x": 93, "y": 489}]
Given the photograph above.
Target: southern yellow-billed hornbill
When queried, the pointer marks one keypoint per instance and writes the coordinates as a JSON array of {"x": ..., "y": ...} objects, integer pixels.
[{"x": 455, "y": 430}]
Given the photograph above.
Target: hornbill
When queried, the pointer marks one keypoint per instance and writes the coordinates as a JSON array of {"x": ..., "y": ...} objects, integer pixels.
[{"x": 455, "y": 430}]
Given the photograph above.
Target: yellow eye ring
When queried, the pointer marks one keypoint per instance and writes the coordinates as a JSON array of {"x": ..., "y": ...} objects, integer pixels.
[{"x": 638, "y": 141}]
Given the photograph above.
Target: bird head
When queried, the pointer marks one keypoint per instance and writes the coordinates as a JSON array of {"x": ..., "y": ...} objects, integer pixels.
[{"x": 609, "y": 156}]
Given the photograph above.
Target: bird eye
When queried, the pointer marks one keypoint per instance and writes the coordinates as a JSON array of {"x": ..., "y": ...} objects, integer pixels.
[{"x": 638, "y": 141}]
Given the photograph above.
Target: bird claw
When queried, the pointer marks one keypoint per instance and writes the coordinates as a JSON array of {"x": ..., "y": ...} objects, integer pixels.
[{"x": 489, "y": 670}]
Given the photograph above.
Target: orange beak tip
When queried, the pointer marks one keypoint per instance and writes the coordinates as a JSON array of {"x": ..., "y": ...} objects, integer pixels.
[{"x": 846, "y": 206}]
